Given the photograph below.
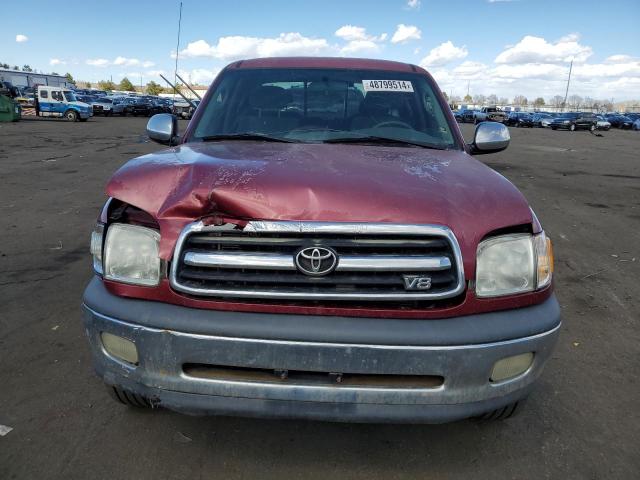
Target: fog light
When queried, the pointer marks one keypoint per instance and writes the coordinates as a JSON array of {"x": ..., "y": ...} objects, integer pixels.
[
  {"x": 119, "y": 347},
  {"x": 511, "y": 367}
]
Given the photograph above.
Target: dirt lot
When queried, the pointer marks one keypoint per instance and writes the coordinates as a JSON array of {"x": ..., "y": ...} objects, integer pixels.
[{"x": 583, "y": 421}]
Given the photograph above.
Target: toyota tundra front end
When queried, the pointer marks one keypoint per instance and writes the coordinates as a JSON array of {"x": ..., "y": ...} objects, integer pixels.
[{"x": 320, "y": 243}]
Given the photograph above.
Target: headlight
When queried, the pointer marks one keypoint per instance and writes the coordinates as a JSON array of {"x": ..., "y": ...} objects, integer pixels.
[
  {"x": 566, "y": 121},
  {"x": 131, "y": 255},
  {"x": 512, "y": 264}
]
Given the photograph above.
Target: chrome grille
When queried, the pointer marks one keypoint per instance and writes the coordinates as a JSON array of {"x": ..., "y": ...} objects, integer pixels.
[{"x": 373, "y": 260}]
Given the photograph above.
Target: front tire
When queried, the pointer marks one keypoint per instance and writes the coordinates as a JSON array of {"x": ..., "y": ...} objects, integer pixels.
[
  {"x": 71, "y": 116},
  {"x": 503, "y": 413},
  {"x": 127, "y": 398}
]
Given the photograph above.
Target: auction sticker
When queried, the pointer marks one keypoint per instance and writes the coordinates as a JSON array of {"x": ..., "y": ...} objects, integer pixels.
[{"x": 387, "y": 86}]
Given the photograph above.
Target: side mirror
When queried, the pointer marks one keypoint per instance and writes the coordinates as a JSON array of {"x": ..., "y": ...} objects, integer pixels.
[
  {"x": 490, "y": 137},
  {"x": 163, "y": 128}
]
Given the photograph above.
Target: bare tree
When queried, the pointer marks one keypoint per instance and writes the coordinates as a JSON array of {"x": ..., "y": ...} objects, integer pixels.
[
  {"x": 492, "y": 99},
  {"x": 557, "y": 101},
  {"x": 519, "y": 100},
  {"x": 503, "y": 101},
  {"x": 574, "y": 101},
  {"x": 479, "y": 99}
]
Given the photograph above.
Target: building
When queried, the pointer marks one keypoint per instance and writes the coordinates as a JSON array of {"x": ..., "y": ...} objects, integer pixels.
[{"x": 29, "y": 79}]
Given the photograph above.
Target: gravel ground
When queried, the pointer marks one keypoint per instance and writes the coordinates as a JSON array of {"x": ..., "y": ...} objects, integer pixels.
[{"x": 583, "y": 421}]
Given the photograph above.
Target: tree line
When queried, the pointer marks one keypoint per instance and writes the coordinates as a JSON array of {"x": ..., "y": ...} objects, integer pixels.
[{"x": 574, "y": 102}]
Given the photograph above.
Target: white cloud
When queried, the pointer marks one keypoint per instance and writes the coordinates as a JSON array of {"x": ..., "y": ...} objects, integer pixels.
[
  {"x": 154, "y": 73},
  {"x": 199, "y": 76},
  {"x": 351, "y": 32},
  {"x": 537, "y": 50},
  {"x": 469, "y": 70},
  {"x": 443, "y": 54},
  {"x": 413, "y": 4},
  {"x": 21, "y": 38},
  {"x": 404, "y": 33},
  {"x": 147, "y": 64},
  {"x": 97, "y": 62},
  {"x": 127, "y": 62},
  {"x": 358, "y": 40},
  {"x": 360, "y": 46},
  {"x": 57, "y": 61},
  {"x": 237, "y": 47},
  {"x": 619, "y": 59}
]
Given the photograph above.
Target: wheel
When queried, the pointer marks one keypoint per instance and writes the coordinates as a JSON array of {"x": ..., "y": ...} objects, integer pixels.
[
  {"x": 127, "y": 398},
  {"x": 71, "y": 115},
  {"x": 606, "y": 129},
  {"x": 572, "y": 127},
  {"x": 553, "y": 128},
  {"x": 502, "y": 413},
  {"x": 107, "y": 114}
]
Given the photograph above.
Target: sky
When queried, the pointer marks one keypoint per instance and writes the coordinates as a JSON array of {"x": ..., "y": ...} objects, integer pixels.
[{"x": 502, "y": 47}]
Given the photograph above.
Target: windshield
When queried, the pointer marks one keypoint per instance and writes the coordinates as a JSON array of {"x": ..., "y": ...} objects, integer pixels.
[
  {"x": 69, "y": 96},
  {"x": 318, "y": 105}
]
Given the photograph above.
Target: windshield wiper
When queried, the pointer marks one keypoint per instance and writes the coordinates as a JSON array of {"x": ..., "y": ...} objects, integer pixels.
[
  {"x": 245, "y": 136},
  {"x": 383, "y": 140}
]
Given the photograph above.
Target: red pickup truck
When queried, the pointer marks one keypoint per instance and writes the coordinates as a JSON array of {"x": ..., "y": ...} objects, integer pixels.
[{"x": 320, "y": 243}]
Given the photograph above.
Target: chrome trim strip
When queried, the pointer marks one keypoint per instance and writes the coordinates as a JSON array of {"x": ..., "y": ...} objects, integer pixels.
[
  {"x": 351, "y": 263},
  {"x": 258, "y": 261},
  {"x": 323, "y": 227}
]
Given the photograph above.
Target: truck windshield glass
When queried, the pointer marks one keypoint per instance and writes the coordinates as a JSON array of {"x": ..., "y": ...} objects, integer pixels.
[
  {"x": 318, "y": 105},
  {"x": 70, "y": 96}
]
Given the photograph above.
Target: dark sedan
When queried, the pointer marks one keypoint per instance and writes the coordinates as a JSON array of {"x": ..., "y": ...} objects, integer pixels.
[
  {"x": 520, "y": 119},
  {"x": 575, "y": 121},
  {"x": 620, "y": 121}
]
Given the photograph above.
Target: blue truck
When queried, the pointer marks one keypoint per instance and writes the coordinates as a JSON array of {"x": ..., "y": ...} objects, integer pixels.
[{"x": 62, "y": 103}]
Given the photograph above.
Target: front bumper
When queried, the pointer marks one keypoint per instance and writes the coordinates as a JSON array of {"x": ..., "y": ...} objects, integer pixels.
[{"x": 461, "y": 350}]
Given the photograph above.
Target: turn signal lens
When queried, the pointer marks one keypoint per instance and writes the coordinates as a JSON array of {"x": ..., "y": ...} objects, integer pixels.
[
  {"x": 119, "y": 347},
  {"x": 544, "y": 256},
  {"x": 511, "y": 367},
  {"x": 96, "y": 247}
]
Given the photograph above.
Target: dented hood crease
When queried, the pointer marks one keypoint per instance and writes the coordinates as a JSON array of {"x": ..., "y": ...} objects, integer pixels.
[{"x": 321, "y": 182}]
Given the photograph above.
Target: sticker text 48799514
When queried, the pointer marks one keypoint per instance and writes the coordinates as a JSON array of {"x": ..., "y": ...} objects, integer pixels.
[{"x": 387, "y": 86}]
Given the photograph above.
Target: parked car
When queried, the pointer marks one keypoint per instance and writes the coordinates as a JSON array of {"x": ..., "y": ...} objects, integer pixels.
[
  {"x": 602, "y": 123},
  {"x": 141, "y": 107},
  {"x": 467, "y": 115},
  {"x": 105, "y": 106},
  {"x": 353, "y": 265},
  {"x": 119, "y": 106},
  {"x": 636, "y": 125},
  {"x": 490, "y": 114},
  {"x": 574, "y": 121},
  {"x": 519, "y": 119},
  {"x": 539, "y": 117},
  {"x": 619, "y": 121}
]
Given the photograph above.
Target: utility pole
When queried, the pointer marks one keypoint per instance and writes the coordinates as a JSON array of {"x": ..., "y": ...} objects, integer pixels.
[
  {"x": 567, "y": 90},
  {"x": 175, "y": 72}
]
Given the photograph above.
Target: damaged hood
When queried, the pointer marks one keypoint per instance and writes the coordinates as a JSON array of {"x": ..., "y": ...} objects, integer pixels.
[{"x": 322, "y": 182}]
